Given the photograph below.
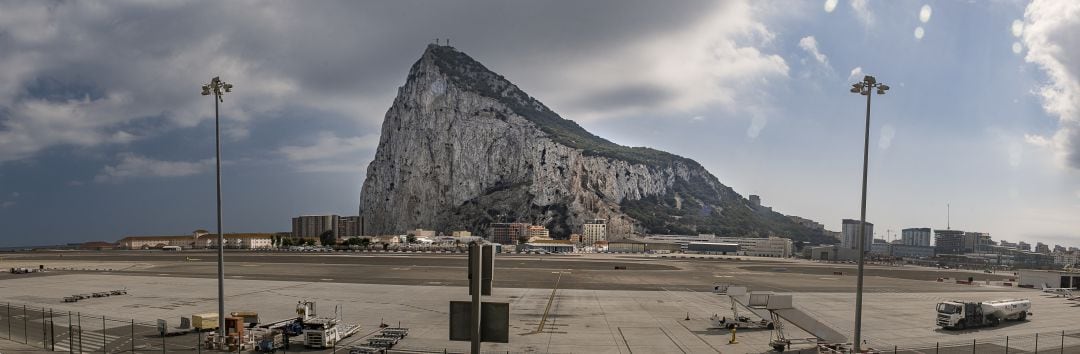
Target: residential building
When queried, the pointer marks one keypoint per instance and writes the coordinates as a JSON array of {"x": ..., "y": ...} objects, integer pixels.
[
  {"x": 948, "y": 242},
  {"x": 976, "y": 242},
  {"x": 508, "y": 233},
  {"x": 461, "y": 234},
  {"x": 1059, "y": 248},
  {"x": 575, "y": 238},
  {"x": 849, "y": 239},
  {"x": 538, "y": 232},
  {"x": 1041, "y": 248},
  {"x": 1023, "y": 246},
  {"x": 349, "y": 226},
  {"x": 1066, "y": 258},
  {"x": 916, "y": 236},
  {"x": 755, "y": 200},
  {"x": 1008, "y": 244},
  {"x": 313, "y": 226},
  {"x": 593, "y": 231}
]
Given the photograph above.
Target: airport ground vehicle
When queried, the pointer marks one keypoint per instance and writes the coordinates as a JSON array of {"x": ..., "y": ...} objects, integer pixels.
[{"x": 961, "y": 315}]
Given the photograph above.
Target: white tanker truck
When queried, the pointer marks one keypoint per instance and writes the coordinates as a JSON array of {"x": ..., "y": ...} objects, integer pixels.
[{"x": 961, "y": 315}]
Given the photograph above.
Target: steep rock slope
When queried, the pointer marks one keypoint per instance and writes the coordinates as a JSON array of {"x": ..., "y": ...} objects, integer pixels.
[{"x": 462, "y": 147}]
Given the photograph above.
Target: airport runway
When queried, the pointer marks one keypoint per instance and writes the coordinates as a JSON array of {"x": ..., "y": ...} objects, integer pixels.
[{"x": 590, "y": 272}]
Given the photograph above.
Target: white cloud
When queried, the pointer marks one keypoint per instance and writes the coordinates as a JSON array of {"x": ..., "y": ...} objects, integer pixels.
[
  {"x": 856, "y": 74},
  {"x": 330, "y": 153},
  {"x": 919, "y": 32},
  {"x": 830, "y": 5},
  {"x": 810, "y": 45},
  {"x": 885, "y": 136},
  {"x": 862, "y": 12},
  {"x": 135, "y": 166},
  {"x": 924, "y": 13},
  {"x": 1017, "y": 47},
  {"x": 1049, "y": 34},
  {"x": 7, "y": 204},
  {"x": 14, "y": 194},
  {"x": 697, "y": 118},
  {"x": 719, "y": 60},
  {"x": 1037, "y": 140}
]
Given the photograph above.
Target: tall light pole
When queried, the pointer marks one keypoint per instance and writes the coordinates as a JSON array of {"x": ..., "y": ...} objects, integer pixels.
[
  {"x": 865, "y": 88},
  {"x": 217, "y": 88}
]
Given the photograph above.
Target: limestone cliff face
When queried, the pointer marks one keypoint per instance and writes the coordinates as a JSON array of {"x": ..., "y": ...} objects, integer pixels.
[{"x": 462, "y": 147}]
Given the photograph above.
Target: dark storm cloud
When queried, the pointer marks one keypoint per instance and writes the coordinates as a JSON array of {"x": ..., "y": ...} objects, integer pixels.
[{"x": 118, "y": 62}]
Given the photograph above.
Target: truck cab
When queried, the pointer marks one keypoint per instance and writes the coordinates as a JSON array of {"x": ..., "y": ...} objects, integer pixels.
[{"x": 957, "y": 315}]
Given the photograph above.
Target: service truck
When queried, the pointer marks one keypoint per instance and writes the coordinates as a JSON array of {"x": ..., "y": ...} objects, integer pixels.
[{"x": 961, "y": 314}]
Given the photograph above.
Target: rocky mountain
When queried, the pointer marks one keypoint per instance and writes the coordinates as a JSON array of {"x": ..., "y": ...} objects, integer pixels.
[{"x": 462, "y": 147}]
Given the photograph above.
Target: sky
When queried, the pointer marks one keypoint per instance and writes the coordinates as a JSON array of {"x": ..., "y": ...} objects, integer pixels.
[{"x": 103, "y": 132}]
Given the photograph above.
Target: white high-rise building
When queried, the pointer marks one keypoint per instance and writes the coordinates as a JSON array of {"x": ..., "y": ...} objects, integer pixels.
[
  {"x": 915, "y": 236},
  {"x": 594, "y": 230},
  {"x": 848, "y": 238}
]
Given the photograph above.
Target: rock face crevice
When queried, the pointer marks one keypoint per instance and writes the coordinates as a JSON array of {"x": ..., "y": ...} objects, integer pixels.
[{"x": 462, "y": 147}]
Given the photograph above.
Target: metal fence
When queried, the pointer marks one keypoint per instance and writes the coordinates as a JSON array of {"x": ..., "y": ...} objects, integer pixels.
[
  {"x": 1046, "y": 342},
  {"x": 1040, "y": 343},
  {"x": 76, "y": 332}
]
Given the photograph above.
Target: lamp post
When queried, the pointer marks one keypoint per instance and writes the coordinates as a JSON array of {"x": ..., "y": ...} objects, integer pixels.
[
  {"x": 217, "y": 88},
  {"x": 865, "y": 88}
]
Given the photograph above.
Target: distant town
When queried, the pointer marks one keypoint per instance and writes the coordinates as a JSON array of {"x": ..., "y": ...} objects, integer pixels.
[{"x": 950, "y": 248}]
